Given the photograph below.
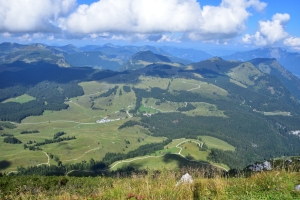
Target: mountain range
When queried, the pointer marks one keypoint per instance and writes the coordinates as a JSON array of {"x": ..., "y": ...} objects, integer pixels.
[
  {"x": 115, "y": 57},
  {"x": 288, "y": 60}
]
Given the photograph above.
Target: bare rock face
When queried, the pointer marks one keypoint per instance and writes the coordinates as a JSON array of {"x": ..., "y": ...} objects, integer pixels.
[
  {"x": 260, "y": 166},
  {"x": 297, "y": 187},
  {"x": 185, "y": 179},
  {"x": 62, "y": 63}
]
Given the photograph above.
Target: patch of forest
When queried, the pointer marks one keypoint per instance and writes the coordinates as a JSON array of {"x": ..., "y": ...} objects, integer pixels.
[
  {"x": 11, "y": 140},
  {"x": 49, "y": 96},
  {"x": 49, "y": 84},
  {"x": 29, "y": 131},
  {"x": 110, "y": 92},
  {"x": 56, "y": 139}
]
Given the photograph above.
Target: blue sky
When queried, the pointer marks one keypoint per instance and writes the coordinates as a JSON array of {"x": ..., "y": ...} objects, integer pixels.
[{"x": 201, "y": 24}]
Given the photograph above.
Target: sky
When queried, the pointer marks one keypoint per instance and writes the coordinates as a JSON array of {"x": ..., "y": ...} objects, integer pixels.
[{"x": 199, "y": 24}]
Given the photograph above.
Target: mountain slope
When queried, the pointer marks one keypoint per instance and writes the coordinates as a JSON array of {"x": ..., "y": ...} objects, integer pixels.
[
  {"x": 66, "y": 49},
  {"x": 144, "y": 58},
  {"x": 35, "y": 53},
  {"x": 95, "y": 59},
  {"x": 287, "y": 59},
  {"x": 188, "y": 54},
  {"x": 272, "y": 67},
  {"x": 7, "y": 47}
]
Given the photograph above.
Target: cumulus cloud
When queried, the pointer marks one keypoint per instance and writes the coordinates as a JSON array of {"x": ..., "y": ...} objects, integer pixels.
[
  {"x": 38, "y": 35},
  {"x": 152, "y": 20},
  {"x": 158, "y": 17},
  {"x": 50, "y": 37},
  {"x": 33, "y": 15},
  {"x": 25, "y": 37},
  {"x": 269, "y": 32},
  {"x": 6, "y": 34},
  {"x": 293, "y": 42}
]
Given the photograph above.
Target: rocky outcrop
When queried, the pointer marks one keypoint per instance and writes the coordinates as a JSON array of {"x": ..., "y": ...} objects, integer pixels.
[
  {"x": 185, "y": 179},
  {"x": 257, "y": 167}
]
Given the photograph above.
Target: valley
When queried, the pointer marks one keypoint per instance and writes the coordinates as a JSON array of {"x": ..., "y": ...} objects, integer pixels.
[
  {"x": 230, "y": 113},
  {"x": 149, "y": 99},
  {"x": 94, "y": 140}
]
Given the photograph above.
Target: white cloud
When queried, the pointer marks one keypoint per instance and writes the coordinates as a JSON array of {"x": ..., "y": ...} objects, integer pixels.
[
  {"x": 293, "y": 42},
  {"x": 154, "y": 20},
  {"x": 6, "y": 34},
  {"x": 162, "y": 16},
  {"x": 50, "y": 37},
  {"x": 102, "y": 35},
  {"x": 25, "y": 37},
  {"x": 273, "y": 30},
  {"x": 258, "y": 39},
  {"x": 269, "y": 32},
  {"x": 38, "y": 35},
  {"x": 20, "y": 16},
  {"x": 259, "y": 6}
]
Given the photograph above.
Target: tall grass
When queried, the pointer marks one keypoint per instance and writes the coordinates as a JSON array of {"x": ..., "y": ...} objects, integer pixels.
[{"x": 277, "y": 184}]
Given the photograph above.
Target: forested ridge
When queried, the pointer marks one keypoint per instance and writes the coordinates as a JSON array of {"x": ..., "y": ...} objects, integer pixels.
[
  {"x": 49, "y": 96},
  {"x": 50, "y": 85}
]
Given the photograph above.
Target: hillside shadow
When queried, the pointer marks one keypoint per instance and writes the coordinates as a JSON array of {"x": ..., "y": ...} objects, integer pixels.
[
  {"x": 20, "y": 73},
  {"x": 183, "y": 162},
  {"x": 130, "y": 167},
  {"x": 4, "y": 164}
]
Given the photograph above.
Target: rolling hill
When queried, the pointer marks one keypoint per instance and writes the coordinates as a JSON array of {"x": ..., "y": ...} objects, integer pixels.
[{"x": 144, "y": 58}]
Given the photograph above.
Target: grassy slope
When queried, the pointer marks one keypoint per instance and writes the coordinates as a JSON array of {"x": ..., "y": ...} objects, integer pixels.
[
  {"x": 212, "y": 142},
  {"x": 163, "y": 160},
  {"x": 266, "y": 185},
  {"x": 20, "y": 99},
  {"x": 79, "y": 120}
]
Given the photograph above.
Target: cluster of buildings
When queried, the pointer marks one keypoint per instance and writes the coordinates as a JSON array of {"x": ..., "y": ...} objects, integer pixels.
[{"x": 105, "y": 120}]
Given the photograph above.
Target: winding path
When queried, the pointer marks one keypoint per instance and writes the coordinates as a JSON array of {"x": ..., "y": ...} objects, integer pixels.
[
  {"x": 84, "y": 154},
  {"x": 199, "y": 86},
  {"x": 177, "y": 146},
  {"x": 55, "y": 121},
  {"x": 48, "y": 163},
  {"x": 145, "y": 157},
  {"x": 128, "y": 114}
]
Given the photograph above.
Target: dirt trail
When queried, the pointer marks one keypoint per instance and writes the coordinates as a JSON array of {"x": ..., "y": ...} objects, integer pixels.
[
  {"x": 48, "y": 163},
  {"x": 177, "y": 146},
  {"x": 199, "y": 86},
  {"x": 83, "y": 154},
  {"x": 179, "y": 153}
]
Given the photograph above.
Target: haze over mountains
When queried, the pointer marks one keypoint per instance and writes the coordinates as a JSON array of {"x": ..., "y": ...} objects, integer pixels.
[
  {"x": 291, "y": 61},
  {"x": 115, "y": 57},
  {"x": 120, "y": 58}
]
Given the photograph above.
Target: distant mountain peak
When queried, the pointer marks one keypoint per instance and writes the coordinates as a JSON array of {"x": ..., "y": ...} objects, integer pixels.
[
  {"x": 110, "y": 45},
  {"x": 149, "y": 56},
  {"x": 289, "y": 60},
  {"x": 70, "y": 45},
  {"x": 215, "y": 58},
  {"x": 38, "y": 45},
  {"x": 143, "y": 58}
]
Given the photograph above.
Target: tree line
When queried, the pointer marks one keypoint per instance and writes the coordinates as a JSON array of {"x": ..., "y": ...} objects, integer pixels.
[
  {"x": 11, "y": 140},
  {"x": 29, "y": 131}
]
